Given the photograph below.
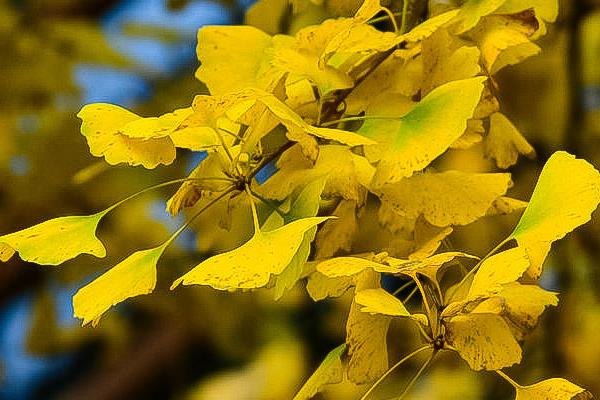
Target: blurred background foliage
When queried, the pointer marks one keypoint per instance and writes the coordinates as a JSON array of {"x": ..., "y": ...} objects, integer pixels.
[{"x": 56, "y": 55}]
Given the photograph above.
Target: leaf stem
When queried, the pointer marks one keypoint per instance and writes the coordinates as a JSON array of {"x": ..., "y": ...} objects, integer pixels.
[
  {"x": 357, "y": 118},
  {"x": 392, "y": 18},
  {"x": 509, "y": 380},
  {"x": 198, "y": 213},
  {"x": 389, "y": 371},
  {"x": 269, "y": 203},
  {"x": 401, "y": 288},
  {"x": 418, "y": 375},
  {"x": 253, "y": 207},
  {"x": 158, "y": 186},
  {"x": 404, "y": 22},
  {"x": 411, "y": 294}
]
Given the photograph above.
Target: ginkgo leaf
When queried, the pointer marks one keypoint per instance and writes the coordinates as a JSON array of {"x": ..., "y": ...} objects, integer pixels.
[
  {"x": 303, "y": 206},
  {"x": 426, "y": 131},
  {"x": 379, "y": 301},
  {"x": 346, "y": 173},
  {"x": 366, "y": 336},
  {"x": 484, "y": 341},
  {"x": 55, "y": 241},
  {"x": 446, "y": 198},
  {"x": 320, "y": 286},
  {"x": 446, "y": 59},
  {"x": 504, "y": 143},
  {"x": 504, "y": 267},
  {"x": 251, "y": 265},
  {"x": 506, "y": 205},
  {"x": 545, "y": 9},
  {"x": 428, "y": 27},
  {"x": 330, "y": 371},
  {"x": 552, "y": 389},
  {"x": 524, "y": 304},
  {"x": 350, "y": 266},
  {"x": 134, "y": 276},
  {"x": 504, "y": 40},
  {"x": 338, "y": 234},
  {"x": 472, "y": 11},
  {"x": 567, "y": 192},
  {"x": 238, "y": 52},
  {"x": 102, "y": 125}
]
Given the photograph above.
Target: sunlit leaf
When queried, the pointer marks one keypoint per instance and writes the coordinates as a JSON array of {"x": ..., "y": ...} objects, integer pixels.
[
  {"x": 567, "y": 192},
  {"x": 134, "y": 276},
  {"x": 553, "y": 389},
  {"x": 251, "y": 265},
  {"x": 495, "y": 271},
  {"x": 379, "y": 301},
  {"x": 425, "y": 132},
  {"x": 446, "y": 198},
  {"x": 55, "y": 241},
  {"x": 484, "y": 341},
  {"x": 102, "y": 126}
]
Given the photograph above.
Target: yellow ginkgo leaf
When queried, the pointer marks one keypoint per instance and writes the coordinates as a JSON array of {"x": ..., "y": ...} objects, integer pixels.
[
  {"x": 484, "y": 341},
  {"x": 6, "y": 252},
  {"x": 102, "y": 125},
  {"x": 366, "y": 336},
  {"x": 330, "y": 371},
  {"x": 379, "y": 301},
  {"x": 55, "y": 241},
  {"x": 320, "y": 286},
  {"x": 545, "y": 9},
  {"x": 428, "y": 27},
  {"x": 350, "y": 266},
  {"x": 553, "y": 389},
  {"x": 426, "y": 131},
  {"x": 134, "y": 276},
  {"x": 497, "y": 270},
  {"x": 346, "y": 173},
  {"x": 567, "y": 192},
  {"x": 504, "y": 40},
  {"x": 472, "y": 11},
  {"x": 239, "y": 52},
  {"x": 504, "y": 143},
  {"x": 251, "y": 265},
  {"x": 338, "y": 234},
  {"x": 446, "y": 198},
  {"x": 446, "y": 59},
  {"x": 506, "y": 205},
  {"x": 524, "y": 304}
]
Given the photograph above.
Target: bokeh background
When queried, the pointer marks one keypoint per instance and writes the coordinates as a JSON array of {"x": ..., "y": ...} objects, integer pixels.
[{"x": 196, "y": 343}]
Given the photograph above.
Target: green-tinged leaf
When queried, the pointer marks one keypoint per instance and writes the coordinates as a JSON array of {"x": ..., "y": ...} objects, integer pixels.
[
  {"x": 567, "y": 192},
  {"x": 134, "y": 276},
  {"x": 553, "y": 389},
  {"x": 495, "y": 271},
  {"x": 55, "y": 241},
  {"x": 484, "y": 341},
  {"x": 379, "y": 301},
  {"x": 305, "y": 205},
  {"x": 330, "y": 371},
  {"x": 425, "y": 132},
  {"x": 251, "y": 265}
]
